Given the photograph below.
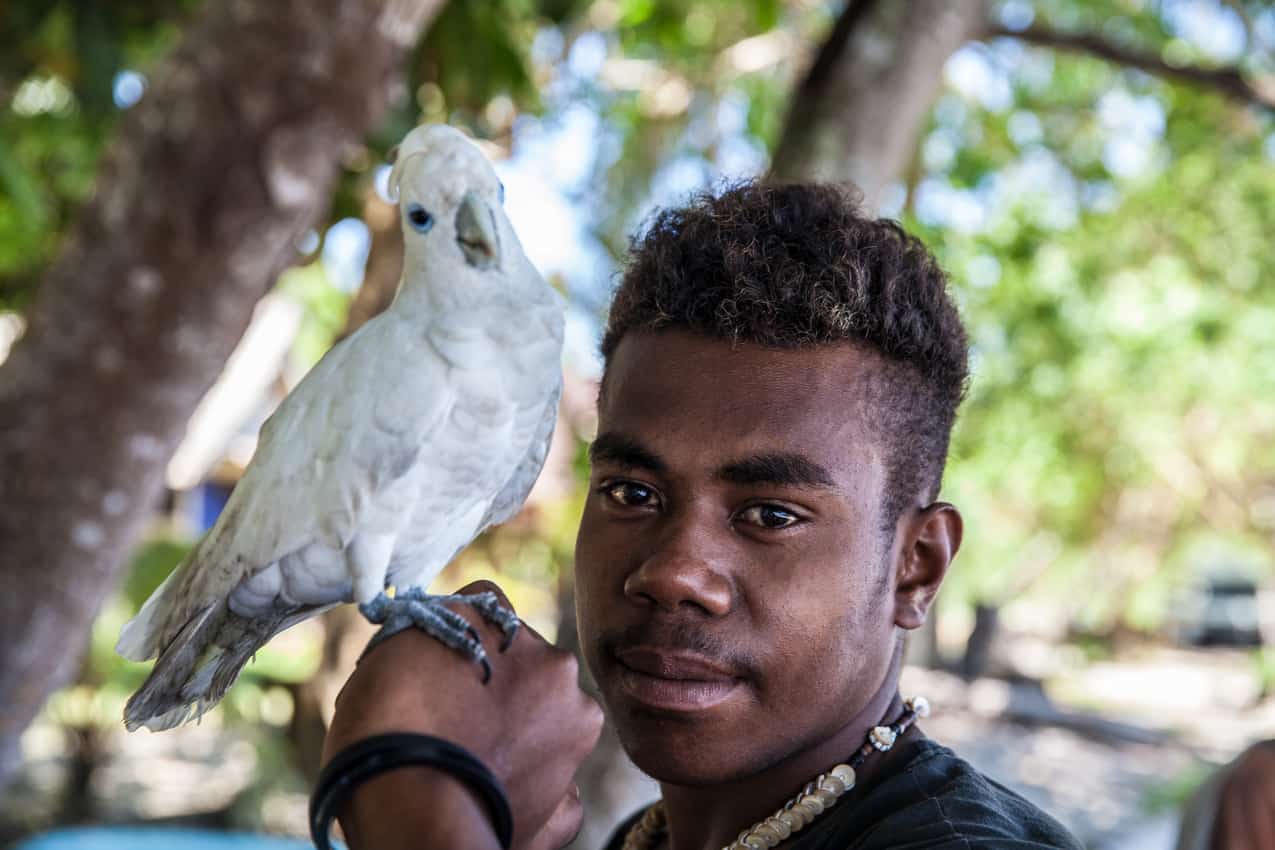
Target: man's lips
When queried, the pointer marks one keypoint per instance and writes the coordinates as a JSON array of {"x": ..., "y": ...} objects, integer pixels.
[
  {"x": 674, "y": 680},
  {"x": 672, "y": 664}
]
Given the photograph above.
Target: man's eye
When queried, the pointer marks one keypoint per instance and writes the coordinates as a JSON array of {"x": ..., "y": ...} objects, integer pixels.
[
  {"x": 768, "y": 516},
  {"x": 630, "y": 493}
]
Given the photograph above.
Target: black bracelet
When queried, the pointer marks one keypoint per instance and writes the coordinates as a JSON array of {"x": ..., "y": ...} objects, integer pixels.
[{"x": 365, "y": 759}]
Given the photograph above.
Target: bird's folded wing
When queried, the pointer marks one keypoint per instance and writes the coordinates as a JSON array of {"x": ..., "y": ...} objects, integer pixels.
[
  {"x": 327, "y": 461},
  {"x": 536, "y": 439}
]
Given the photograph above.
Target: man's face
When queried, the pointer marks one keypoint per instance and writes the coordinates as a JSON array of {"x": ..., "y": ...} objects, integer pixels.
[{"x": 733, "y": 588}]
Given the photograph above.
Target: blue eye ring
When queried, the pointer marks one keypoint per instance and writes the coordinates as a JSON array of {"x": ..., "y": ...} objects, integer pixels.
[{"x": 419, "y": 218}]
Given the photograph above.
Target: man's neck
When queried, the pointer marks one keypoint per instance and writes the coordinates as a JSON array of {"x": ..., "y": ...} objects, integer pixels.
[{"x": 711, "y": 817}]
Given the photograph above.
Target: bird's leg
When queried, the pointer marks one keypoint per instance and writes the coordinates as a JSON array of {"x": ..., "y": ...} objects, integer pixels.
[
  {"x": 414, "y": 607},
  {"x": 368, "y": 558}
]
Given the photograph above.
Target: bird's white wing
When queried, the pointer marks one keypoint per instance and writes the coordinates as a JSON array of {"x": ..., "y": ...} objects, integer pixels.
[
  {"x": 540, "y": 390},
  {"x": 325, "y": 466},
  {"x": 514, "y": 493}
]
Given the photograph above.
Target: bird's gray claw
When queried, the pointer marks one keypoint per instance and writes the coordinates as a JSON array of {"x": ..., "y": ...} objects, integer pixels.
[
  {"x": 489, "y": 606},
  {"x": 378, "y": 609},
  {"x": 508, "y": 641},
  {"x": 413, "y": 607}
]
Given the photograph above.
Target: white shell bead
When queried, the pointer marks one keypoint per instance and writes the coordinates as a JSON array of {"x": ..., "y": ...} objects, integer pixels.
[
  {"x": 792, "y": 819},
  {"x": 882, "y": 737},
  {"x": 825, "y": 797},
  {"x": 781, "y": 829},
  {"x": 832, "y": 785},
  {"x": 767, "y": 833},
  {"x": 845, "y": 773},
  {"x": 919, "y": 705}
]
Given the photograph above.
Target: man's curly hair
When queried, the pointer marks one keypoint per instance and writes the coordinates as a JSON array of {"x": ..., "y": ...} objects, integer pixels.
[{"x": 801, "y": 265}]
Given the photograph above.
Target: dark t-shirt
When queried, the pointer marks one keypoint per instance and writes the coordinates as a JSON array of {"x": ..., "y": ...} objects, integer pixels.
[{"x": 935, "y": 801}]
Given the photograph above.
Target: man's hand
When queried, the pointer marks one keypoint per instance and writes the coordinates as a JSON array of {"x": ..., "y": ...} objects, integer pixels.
[{"x": 531, "y": 725}]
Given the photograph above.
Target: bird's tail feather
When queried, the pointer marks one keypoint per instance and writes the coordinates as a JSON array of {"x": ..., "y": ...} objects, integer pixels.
[
  {"x": 198, "y": 667},
  {"x": 140, "y": 637}
]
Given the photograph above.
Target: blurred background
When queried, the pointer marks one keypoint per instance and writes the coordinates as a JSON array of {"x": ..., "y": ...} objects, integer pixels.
[{"x": 193, "y": 209}]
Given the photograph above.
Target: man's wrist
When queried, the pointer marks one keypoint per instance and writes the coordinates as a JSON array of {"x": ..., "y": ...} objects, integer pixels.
[{"x": 415, "y": 807}]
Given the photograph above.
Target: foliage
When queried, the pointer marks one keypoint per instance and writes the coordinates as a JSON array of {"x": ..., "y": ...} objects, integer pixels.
[
  {"x": 60, "y": 87},
  {"x": 1171, "y": 794},
  {"x": 1117, "y": 431}
]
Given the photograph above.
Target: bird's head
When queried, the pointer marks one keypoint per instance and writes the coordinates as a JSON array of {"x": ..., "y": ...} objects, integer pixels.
[{"x": 449, "y": 200}]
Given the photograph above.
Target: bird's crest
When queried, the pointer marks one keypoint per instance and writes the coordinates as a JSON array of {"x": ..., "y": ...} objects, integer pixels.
[{"x": 416, "y": 143}]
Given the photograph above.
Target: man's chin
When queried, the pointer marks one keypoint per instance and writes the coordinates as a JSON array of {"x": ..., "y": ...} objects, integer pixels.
[
  {"x": 672, "y": 751},
  {"x": 675, "y": 768}
]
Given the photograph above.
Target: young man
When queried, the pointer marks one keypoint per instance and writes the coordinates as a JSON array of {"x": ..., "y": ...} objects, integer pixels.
[{"x": 782, "y": 375}]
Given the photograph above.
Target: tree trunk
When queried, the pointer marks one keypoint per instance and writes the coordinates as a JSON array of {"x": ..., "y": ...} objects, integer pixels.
[
  {"x": 857, "y": 114},
  {"x": 980, "y": 647},
  {"x": 214, "y": 177}
]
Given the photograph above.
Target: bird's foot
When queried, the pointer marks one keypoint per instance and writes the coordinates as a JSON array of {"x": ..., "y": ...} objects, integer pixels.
[
  {"x": 488, "y": 605},
  {"x": 414, "y": 607}
]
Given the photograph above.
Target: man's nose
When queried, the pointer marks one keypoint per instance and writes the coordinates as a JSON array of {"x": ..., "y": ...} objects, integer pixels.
[{"x": 687, "y": 567}]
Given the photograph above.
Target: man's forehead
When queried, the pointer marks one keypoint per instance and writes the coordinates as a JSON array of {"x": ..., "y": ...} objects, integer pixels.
[
  {"x": 669, "y": 387},
  {"x": 675, "y": 363}
]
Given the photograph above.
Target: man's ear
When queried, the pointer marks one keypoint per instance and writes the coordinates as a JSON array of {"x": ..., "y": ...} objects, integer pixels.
[{"x": 930, "y": 539}]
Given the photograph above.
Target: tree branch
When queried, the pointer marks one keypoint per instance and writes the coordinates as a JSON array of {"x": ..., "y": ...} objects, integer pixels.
[{"x": 1228, "y": 81}]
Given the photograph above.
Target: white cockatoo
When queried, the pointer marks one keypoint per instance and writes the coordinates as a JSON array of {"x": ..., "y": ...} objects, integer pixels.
[{"x": 405, "y": 442}]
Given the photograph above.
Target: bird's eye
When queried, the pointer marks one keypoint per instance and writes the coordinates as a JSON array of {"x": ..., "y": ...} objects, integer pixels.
[
  {"x": 420, "y": 220},
  {"x": 769, "y": 516},
  {"x": 630, "y": 494}
]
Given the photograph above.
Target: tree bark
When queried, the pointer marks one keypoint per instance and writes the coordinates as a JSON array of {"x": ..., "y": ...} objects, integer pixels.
[
  {"x": 859, "y": 111},
  {"x": 212, "y": 180},
  {"x": 980, "y": 647},
  {"x": 1229, "y": 81}
]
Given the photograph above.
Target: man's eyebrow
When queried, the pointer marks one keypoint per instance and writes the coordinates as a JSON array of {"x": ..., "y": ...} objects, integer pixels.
[
  {"x": 780, "y": 468},
  {"x": 621, "y": 450}
]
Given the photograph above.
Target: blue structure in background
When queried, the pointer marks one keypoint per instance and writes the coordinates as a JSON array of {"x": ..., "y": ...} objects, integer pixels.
[
  {"x": 212, "y": 497},
  {"x": 157, "y": 838}
]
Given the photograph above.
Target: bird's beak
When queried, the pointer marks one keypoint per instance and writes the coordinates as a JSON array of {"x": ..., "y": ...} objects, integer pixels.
[{"x": 476, "y": 232}]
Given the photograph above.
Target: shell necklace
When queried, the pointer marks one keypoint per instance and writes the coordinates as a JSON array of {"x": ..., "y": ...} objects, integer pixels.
[{"x": 818, "y": 795}]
